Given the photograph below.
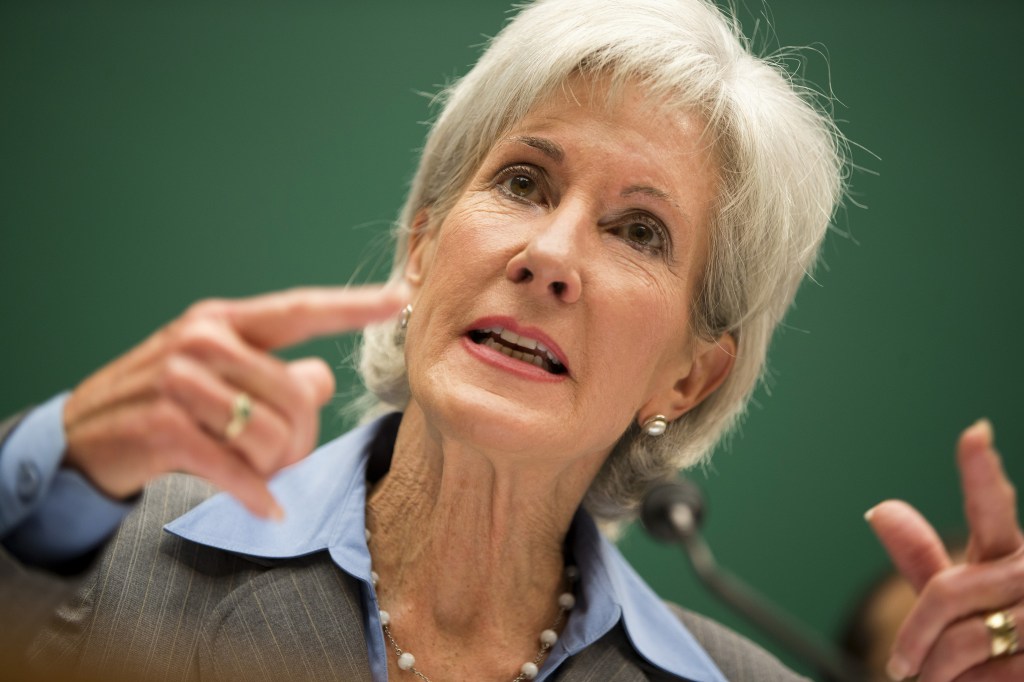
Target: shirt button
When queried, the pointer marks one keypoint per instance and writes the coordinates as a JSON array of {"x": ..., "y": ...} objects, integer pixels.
[{"x": 29, "y": 479}]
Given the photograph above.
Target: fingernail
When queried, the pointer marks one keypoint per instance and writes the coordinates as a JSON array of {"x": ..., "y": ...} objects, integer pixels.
[
  {"x": 984, "y": 426},
  {"x": 869, "y": 513},
  {"x": 897, "y": 669}
]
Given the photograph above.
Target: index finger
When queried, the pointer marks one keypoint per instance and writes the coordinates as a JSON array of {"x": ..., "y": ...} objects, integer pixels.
[
  {"x": 990, "y": 501},
  {"x": 288, "y": 317}
]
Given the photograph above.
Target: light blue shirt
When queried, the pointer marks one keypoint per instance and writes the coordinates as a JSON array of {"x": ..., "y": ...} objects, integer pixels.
[
  {"x": 324, "y": 497},
  {"x": 49, "y": 514}
]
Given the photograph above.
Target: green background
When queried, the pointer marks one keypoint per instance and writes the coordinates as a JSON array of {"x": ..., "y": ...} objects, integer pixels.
[{"x": 152, "y": 154}]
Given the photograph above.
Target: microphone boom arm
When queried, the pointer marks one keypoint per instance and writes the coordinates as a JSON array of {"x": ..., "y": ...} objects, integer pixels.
[{"x": 674, "y": 514}]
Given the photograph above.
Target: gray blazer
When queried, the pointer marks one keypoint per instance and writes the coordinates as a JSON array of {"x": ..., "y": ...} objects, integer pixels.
[{"x": 155, "y": 606}]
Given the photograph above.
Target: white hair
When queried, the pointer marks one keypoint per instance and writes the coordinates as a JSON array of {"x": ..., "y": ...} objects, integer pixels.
[{"x": 782, "y": 170}]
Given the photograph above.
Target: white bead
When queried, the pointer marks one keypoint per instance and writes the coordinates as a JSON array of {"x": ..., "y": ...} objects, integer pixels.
[
  {"x": 572, "y": 573},
  {"x": 374, "y": 578},
  {"x": 385, "y": 617},
  {"x": 548, "y": 638},
  {"x": 529, "y": 670},
  {"x": 406, "y": 661},
  {"x": 566, "y": 601}
]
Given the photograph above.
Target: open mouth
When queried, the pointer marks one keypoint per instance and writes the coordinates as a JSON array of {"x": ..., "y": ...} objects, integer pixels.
[{"x": 519, "y": 347}]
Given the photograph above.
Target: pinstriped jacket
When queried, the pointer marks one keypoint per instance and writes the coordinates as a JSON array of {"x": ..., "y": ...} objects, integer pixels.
[{"x": 157, "y": 606}]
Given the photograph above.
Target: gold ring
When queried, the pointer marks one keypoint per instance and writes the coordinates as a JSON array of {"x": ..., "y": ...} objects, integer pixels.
[
  {"x": 241, "y": 413},
  {"x": 1002, "y": 633}
]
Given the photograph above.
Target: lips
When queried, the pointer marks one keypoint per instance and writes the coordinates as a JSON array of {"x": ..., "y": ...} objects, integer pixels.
[{"x": 518, "y": 346}]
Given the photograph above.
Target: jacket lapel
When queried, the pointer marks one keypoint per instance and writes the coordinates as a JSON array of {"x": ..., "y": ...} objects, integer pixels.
[
  {"x": 301, "y": 620},
  {"x": 610, "y": 659}
]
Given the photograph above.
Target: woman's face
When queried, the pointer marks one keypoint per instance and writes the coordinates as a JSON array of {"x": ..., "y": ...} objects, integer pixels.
[{"x": 582, "y": 235}]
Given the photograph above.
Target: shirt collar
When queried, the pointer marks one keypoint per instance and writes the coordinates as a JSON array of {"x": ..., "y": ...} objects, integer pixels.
[{"x": 324, "y": 500}]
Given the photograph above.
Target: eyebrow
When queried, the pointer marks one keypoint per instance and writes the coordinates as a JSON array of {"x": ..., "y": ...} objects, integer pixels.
[
  {"x": 647, "y": 190},
  {"x": 543, "y": 145},
  {"x": 655, "y": 193}
]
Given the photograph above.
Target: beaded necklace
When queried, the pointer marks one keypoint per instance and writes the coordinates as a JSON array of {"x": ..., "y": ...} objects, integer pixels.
[{"x": 529, "y": 669}]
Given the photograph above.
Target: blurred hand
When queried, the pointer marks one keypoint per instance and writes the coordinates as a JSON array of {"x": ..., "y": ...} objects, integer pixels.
[
  {"x": 945, "y": 636},
  {"x": 165, "y": 405}
]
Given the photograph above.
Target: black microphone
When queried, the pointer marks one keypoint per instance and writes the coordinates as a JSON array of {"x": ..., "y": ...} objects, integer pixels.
[{"x": 673, "y": 512}]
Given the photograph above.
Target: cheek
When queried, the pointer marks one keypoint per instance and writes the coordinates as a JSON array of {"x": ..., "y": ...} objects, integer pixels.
[
  {"x": 472, "y": 238},
  {"x": 469, "y": 252},
  {"x": 648, "y": 325},
  {"x": 652, "y": 301}
]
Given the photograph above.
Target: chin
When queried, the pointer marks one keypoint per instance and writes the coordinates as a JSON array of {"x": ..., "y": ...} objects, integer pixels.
[{"x": 484, "y": 420}]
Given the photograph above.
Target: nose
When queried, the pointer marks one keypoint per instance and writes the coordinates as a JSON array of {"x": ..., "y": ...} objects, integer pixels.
[{"x": 549, "y": 263}]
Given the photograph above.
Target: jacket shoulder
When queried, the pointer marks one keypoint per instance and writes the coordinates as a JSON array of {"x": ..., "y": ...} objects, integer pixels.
[
  {"x": 120, "y": 611},
  {"x": 738, "y": 658}
]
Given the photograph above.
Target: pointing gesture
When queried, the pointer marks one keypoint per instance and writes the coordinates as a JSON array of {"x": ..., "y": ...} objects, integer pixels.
[
  {"x": 203, "y": 395},
  {"x": 963, "y": 626}
]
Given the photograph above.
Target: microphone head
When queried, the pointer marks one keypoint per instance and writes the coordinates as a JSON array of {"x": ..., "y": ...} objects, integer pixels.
[{"x": 662, "y": 500}]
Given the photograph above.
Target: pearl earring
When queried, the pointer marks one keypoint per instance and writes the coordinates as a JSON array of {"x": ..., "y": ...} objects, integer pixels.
[
  {"x": 403, "y": 322},
  {"x": 656, "y": 425}
]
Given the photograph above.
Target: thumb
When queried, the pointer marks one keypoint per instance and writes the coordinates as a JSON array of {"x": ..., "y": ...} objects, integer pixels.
[
  {"x": 911, "y": 542},
  {"x": 315, "y": 376}
]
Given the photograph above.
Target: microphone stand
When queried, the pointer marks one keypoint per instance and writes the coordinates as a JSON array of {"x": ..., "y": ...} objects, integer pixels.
[{"x": 672, "y": 512}]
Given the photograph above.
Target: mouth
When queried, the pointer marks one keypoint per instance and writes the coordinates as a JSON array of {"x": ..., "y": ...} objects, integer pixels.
[{"x": 518, "y": 347}]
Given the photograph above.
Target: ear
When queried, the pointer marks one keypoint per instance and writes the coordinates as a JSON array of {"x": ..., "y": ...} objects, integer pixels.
[
  {"x": 421, "y": 248},
  {"x": 711, "y": 363}
]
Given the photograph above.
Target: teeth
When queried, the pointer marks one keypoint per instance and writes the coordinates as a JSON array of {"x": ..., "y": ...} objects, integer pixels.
[
  {"x": 491, "y": 343},
  {"x": 541, "y": 348},
  {"x": 523, "y": 342},
  {"x": 518, "y": 355},
  {"x": 551, "y": 357},
  {"x": 515, "y": 339}
]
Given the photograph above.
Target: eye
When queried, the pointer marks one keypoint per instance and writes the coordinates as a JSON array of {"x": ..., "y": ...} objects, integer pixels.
[
  {"x": 642, "y": 233},
  {"x": 521, "y": 183}
]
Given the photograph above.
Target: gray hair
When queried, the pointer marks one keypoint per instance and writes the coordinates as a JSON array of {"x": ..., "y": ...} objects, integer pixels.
[{"x": 782, "y": 171}]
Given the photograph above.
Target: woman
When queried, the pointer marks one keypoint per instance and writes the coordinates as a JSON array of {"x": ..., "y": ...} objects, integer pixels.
[{"x": 610, "y": 217}]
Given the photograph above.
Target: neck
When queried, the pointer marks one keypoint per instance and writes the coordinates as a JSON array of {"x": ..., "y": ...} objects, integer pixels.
[{"x": 469, "y": 548}]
